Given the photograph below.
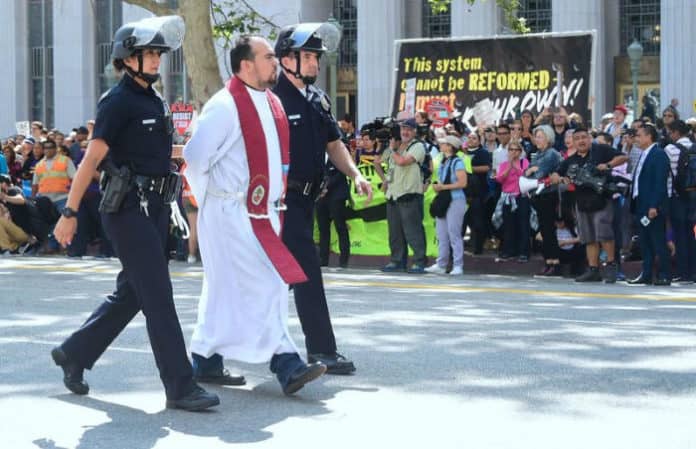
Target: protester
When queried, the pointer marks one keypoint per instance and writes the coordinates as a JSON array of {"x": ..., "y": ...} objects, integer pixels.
[
  {"x": 452, "y": 178},
  {"x": 512, "y": 207},
  {"x": 546, "y": 203}
]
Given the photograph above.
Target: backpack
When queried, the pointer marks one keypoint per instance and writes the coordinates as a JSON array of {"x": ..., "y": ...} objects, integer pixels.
[
  {"x": 426, "y": 173},
  {"x": 685, "y": 179}
]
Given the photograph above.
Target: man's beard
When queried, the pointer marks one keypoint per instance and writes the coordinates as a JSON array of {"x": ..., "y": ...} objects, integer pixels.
[{"x": 270, "y": 82}]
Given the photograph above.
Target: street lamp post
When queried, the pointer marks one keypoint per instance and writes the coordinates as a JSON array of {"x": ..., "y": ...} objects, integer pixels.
[
  {"x": 635, "y": 53},
  {"x": 110, "y": 75},
  {"x": 332, "y": 57}
]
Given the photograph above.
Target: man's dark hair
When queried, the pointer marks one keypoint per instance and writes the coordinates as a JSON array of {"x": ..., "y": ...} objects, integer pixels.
[
  {"x": 5, "y": 179},
  {"x": 503, "y": 126},
  {"x": 650, "y": 130},
  {"x": 48, "y": 144},
  {"x": 241, "y": 52},
  {"x": 580, "y": 129},
  {"x": 679, "y": 126},
  {"x": 607, "y": 136}
]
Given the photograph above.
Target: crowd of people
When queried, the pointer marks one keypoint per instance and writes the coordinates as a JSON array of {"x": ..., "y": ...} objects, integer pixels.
[
  {"x": 586, "y": 199},
  {"x": 579, "y": 205}
]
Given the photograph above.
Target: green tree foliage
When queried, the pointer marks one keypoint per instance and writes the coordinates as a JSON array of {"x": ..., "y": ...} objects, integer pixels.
[{"x": 509, "y": 8}]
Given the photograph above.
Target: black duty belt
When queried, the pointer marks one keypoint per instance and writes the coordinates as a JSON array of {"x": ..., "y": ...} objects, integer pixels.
[
  {"x": 155, "y": 184},
  {"x": 303, "y": 188}
]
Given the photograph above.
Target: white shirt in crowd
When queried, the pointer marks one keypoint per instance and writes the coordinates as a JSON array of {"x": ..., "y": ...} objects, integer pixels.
[
  {"x": 673, "y": 152},
  {"x": 499, "y": 156}
]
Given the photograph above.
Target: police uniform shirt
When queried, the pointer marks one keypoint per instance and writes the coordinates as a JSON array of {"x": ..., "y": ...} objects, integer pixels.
[
  {"x": 131, "y": 120},
  {"x": 312, "y": 127}
]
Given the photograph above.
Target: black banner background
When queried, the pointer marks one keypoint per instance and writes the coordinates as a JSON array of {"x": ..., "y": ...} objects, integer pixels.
[{"x": 458, "y": 71}]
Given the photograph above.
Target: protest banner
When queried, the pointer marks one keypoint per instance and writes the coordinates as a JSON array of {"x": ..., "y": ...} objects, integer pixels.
[{"x": 512, "y": 73}]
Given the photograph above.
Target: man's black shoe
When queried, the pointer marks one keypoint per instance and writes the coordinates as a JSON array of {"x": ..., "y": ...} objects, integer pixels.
[
  {"x": 640, "y": 280},
  {"x": 591, "y": 275},
  {"x": 335, "y": 363},
  {"x": 198, "y": 399},
  {"x": 72, "y": 372},
  {"x": 304, "y": 375},
  {"x": 220, "y": 378},
  {"x": 682, "y": 280},
  {"x": 663, "y": 282}
]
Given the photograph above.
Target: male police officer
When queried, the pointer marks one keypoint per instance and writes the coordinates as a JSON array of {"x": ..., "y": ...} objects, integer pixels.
[
  {"x": 313, "y": 133},
  {"x": 134, "y": 127}
]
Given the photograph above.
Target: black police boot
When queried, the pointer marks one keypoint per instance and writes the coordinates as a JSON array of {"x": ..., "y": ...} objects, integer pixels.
[
  {"x": 335, "y": 363},
  {"x": 195, "y": 401},
  {"x": 72, "y": 372}
]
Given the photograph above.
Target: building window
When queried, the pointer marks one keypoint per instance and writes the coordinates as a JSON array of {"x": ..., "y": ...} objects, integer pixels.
[
  {"x": 41, "y": 63},
  {"x": 436, "y": 24},
  {"x": 640, "y": 19},
  {"x": 176, "y": 75},
  {"x": 537, "y": 14},
  {"x": 109, "y": 18},
  {"x": 346, "y": 12}
]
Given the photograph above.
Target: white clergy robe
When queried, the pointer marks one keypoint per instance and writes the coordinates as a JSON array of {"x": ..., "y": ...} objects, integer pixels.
[{"x": 243, "y": 309}]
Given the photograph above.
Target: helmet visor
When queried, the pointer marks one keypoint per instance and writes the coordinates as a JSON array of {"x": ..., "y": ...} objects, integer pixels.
[
  {"x": 161, "y": 32},
  {"x": 329, "y": 34}
]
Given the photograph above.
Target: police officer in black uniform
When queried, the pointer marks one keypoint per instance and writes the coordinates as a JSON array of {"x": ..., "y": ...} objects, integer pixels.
[
  {"x": 133, "y": 126},
  {"x": 313, "y": 133},
  {"x": 332, "y": 207}
]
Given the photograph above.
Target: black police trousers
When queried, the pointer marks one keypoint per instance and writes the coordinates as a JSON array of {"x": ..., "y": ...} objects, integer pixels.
[
  {"x": 143, "y": 284},
  {"x": 310, "y": 299},
  {"x": 328, "y": 210}
]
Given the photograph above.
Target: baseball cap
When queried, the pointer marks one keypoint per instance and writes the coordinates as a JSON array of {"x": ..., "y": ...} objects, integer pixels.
[
  {"x": 452, "y": 140},
  {"x": 409, "y": 123}
]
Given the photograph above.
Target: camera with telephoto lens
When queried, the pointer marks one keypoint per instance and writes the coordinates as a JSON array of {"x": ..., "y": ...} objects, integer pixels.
[
  {"x": 589, "y": 177},
  {"x": 385, "y": 128}
]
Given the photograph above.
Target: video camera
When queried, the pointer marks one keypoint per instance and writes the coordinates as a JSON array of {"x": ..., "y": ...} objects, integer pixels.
[
  {"x": 382, "y": 129},
  {"x": 589, "y": 177}
]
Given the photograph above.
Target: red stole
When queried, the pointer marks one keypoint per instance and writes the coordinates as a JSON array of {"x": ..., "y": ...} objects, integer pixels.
[{"x": 257, "y": 194}]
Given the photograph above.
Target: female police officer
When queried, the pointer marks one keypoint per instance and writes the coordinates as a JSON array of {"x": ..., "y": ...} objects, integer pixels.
[{"x": 133, "y": 126}]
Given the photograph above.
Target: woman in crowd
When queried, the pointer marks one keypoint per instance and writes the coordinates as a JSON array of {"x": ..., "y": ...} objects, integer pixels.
[
  {"x": 546, "y": 204},
  {"x": 570, "y": 146},
  {"x": 527, "y": 120},
  {"x": 512, "y": 207},
  {"x": 13, "y": 166},
  {"x": 452, "y": 177}
]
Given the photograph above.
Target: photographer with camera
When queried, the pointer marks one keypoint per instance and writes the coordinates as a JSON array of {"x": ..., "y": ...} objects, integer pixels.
[
  {"x": 404, "y": 192},
  {"x": 589, "y": 169}
]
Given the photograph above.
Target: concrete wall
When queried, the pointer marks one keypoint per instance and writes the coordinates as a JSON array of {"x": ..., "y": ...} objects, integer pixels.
[
  {"x": 677, "y": 50},
  {"x": 14, "y": 77},
  {"x": 74, "y": 70}
]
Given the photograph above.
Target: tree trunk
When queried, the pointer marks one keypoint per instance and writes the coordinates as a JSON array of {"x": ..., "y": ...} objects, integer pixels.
[{"x": 199, "y": 51}]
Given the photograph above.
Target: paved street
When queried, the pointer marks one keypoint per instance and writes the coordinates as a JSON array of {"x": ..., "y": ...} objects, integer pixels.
[{"x": 477, "y": 362}]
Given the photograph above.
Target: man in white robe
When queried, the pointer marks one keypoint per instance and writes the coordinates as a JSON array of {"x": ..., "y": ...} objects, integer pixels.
[{"x": 243, "y": 310}]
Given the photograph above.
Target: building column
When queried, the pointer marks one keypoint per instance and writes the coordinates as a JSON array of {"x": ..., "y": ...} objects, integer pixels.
[
  {"x": 74, "y": 71},
  {"x": 14, "y": 90},
  {"x": 379, "y": 24},
  {"x": 677, "y": 62},
  {"x": 480, "y": 19},
  {"x": 583, "y": 16}
]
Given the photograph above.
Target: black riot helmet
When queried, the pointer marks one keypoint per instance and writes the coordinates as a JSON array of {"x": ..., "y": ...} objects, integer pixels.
[
  {"x": 157, "y": 33},
  {"x": 314, "y": 37}
]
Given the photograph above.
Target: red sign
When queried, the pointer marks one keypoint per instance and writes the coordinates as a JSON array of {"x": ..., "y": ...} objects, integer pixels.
[
  {"x": 182, "y": 114},
  {"x": 438, "y": 112}
]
